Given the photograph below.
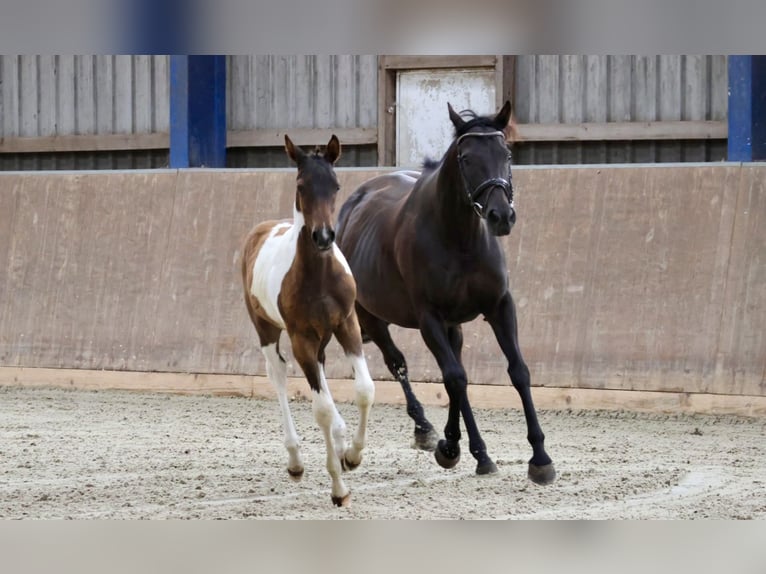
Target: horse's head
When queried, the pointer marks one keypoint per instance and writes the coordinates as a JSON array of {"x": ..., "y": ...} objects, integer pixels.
[
  {"x": 317, "y": 189},
  {"x": 484, "y": 163}
]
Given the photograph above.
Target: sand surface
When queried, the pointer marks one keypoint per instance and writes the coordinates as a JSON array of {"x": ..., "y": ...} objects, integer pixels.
[{"x": 74, "y": 454}]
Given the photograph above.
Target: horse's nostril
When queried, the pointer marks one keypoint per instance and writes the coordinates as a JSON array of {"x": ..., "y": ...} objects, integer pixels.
[
  {"x": 330, "y": 235},
  {"x": 513, "y": 215},
  {"x": 493, "y": 216},
  {"x": 315, "y": 237}
]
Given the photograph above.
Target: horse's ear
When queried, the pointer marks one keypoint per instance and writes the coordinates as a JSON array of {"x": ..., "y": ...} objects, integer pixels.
[
  {"x": 457, "y": 121},
  {"x": 503, "y": 117},
  {"x": 293, "y": 151},
  {"x": 332, "y": 151}
]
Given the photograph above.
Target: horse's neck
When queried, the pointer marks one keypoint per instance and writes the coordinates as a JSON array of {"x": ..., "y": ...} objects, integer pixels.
[{"x": 458, "y": 221}]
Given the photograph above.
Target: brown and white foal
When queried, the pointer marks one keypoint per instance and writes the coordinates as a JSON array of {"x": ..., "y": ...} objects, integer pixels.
[{"x": 296, "y": 279}]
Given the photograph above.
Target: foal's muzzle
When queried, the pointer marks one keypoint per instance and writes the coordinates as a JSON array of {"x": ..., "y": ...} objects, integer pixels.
[{"x": 323, "y": 238}]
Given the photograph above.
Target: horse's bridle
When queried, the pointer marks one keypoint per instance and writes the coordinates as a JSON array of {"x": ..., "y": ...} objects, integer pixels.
[{"x": 474, "y": 196}]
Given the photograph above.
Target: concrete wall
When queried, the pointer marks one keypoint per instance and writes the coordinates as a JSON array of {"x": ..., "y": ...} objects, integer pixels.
[{"x": 645, "y": 278}]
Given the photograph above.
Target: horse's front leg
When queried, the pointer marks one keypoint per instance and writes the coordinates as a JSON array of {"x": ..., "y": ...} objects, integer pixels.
[
  {"x": 349, "y": 336},
  {"x": 308, "y": 353},
  {"x": 484, "y": 464},
  {"x": 503, "y": 322},
  {"x": 434, "y": 334}
]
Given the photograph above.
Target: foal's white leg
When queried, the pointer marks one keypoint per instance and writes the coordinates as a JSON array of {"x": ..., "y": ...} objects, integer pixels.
[
  {"x": 338, "y": 424},
  {"x": 365, "y": 395},
  {"x": 326, "y": 415},
  {"x": 277, "y": 372}
]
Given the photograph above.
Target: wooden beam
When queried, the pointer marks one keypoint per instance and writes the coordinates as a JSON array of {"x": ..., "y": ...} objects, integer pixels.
[
  {"x": 301, "y": 136},
  {"x": 386, "y": 392},
  {"x": 666, "y": 130},
  {"x": 432, "y": 62},
  {"x": 89, "y": 142},
  {"x": 132, "y": 142},
  {"x": 629, "y": 131}
]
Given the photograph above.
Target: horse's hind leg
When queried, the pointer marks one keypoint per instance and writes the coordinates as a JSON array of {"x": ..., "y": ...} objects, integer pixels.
[
  {"x": 425, "y": 437},
  {"x": 350, "y": 338},
  {"x": 484, "y": 464},
  {"x": 276, "y": 369}
]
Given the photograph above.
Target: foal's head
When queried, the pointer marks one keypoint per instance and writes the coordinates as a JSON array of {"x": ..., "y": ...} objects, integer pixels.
[
  {"x": 484, "y": 163},
  {"x": 316, "y": 190}
]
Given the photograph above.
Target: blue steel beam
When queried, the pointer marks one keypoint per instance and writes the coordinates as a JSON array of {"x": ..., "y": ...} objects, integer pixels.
[
  {"x": 747, "y": 108},
  {"x": 197, "y": 111}
]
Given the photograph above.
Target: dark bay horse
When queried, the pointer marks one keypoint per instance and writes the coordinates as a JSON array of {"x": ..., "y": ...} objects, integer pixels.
[
  {"x": 424, "y": 254},
  {"x": 296, "y": 279}
]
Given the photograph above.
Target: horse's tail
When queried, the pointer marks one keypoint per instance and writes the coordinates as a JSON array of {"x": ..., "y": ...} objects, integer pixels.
[{"x": 348, "y": 206}]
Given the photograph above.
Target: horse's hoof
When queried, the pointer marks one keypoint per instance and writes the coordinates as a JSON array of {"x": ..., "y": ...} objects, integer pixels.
[
  {"x": 488, "y": 467},
  {"x": 446, "y": 456},
  {"x": 340, "y": 501},
  {"x": 348, "y": 464},
  {"x": 545, "y": 474},
  {"x": 425, "y": 440},
  {"x": 295, "y": 473}
]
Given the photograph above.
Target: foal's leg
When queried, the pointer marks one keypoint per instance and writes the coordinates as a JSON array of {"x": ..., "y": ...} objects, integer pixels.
[
  {"x": 425, "y": 437},
  {"x": 276, "y": 369},
  {"x": 306, "y": 350},
  {"x": 503, "y": 322},
  {"x": 350, "y": 338},
  {"x": 484, "y": 464},
  {"x": 434, "y": 334}
]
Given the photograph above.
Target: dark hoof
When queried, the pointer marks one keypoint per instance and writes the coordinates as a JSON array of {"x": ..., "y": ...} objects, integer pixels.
[
  {"x": 488, "y": 467},
  {"x": 295, "y": 474},
  {"x": 425, "y": 440},
  {"x": 545, "y": 474},
  {"x": 341, "y": 500},
  {"x": 348, "y": 465},
  {"x": 447, "y": 456}
]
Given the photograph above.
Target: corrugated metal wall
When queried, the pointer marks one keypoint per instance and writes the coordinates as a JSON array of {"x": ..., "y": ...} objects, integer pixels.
[
  {"x": 574, "y": 89},
  {"x": 65, "y": 95},
  {"x": 301, "y": 92},
  {"x": 50, "y": 95}
]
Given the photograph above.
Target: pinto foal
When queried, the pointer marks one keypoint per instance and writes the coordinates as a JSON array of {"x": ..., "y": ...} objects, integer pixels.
[{"x": 296, "y": 279}]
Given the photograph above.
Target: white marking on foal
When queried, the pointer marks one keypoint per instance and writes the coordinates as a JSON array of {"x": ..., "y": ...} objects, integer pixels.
[
  {"x": 326, "y": 416},
  {"x": 272, "y": 264},
  {"x": 338, "y": 254},
  {"x": 277, "y": 372},
  {"x": 365, "y": 396}
]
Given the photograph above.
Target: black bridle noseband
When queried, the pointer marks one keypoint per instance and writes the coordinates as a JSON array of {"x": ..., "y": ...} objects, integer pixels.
[{"x": 502, "y": 183}]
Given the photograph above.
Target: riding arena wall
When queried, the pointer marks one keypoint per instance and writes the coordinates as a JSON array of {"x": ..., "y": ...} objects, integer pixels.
[{"x": 626, "y": 278}]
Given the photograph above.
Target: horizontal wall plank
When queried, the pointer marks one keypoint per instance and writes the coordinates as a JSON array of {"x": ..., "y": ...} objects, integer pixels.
[
  {"x": 670, "y": 130},
  {"x": 300, "y": 136},
  {"x": 628, "y": 131},
  {"x": 132, "y": 142}
]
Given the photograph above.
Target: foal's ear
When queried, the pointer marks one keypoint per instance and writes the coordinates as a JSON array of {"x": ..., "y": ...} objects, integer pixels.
[
  {"x": 332, "y": 151},
  {"x": 457, "y": 121},
  {"x": 296, "y": 153},
  {"x": 503, "y": 116}
]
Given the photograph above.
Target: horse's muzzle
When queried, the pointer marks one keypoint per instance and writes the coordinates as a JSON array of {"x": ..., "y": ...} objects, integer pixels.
[
  {"x": 323, "y": 238},
  {"x": 501, "y": 223}
]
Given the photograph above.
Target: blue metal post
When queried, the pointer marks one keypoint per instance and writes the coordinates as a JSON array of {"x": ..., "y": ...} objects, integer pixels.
[
  {"x": 197, "y": 111},
  {"x": 747, "y": 108}
]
